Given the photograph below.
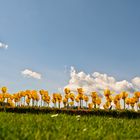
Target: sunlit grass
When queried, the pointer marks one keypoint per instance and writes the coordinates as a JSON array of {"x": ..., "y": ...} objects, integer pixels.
[{"x": 62, "y": 126}]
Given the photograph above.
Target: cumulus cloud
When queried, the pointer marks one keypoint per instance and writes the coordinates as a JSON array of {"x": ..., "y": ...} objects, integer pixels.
[
  {"x": 4, "y": 46},
  {"x": 98, "y": 82},
  {"x": 136, "y": 82},
  {"x": 30, "y": 73}
]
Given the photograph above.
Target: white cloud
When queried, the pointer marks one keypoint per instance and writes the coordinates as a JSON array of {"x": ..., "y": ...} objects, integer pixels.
[
  {"x": 4, "y": 46},
  {"x": 30, "y": 73},
  {"x": 98, "y": 82},
  {"x": 136, "y": 82},
  {"x": 124, "y": 86}
]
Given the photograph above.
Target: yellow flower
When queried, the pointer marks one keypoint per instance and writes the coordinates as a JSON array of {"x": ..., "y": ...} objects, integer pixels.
[
  {"x": 90, "y": 105},
  {"x": 108, "y": 104},
  {"x": 77, "y": 99},
  {"x": 98, "y": 101},
  {"x": 1, "y": 96},
  {"x": 67, "y": 90},
  {"x": 128, "y": 101},
  {"x": 86, "y": 98},
  {"x": 137, "y": 94},
  {"x": 109, "y": 98},
  {"x": 4, "y": 89},
  {"x": 124, "y": 95},
  {"x": 27, "y": 101},
  {"x": 59, "y": 97},
  {"x": 37, "y": 98},
  {"x": 115, "y": 101},
  {"x": 72, "y": 96},
  {"x": 80, "y": 96},
  {"x": 107, "y": 92},
  {"x": 132, "y": 102},
  {"x": 22, "y": 93},
  {"x": 105, "y": 107},
  {"x": 53, "y": 100},
  {"x": 118, "y": 106},
  {"x": 71, "y": 103},
  {"x": 65, "y": 101},
  {"x": 67, "y": 96},
  {"x": 55, "y": 96},
  {"x": 80, "y": 90},
  {"x": 94, "y": 94},
  {"x": 6, "y": 95},
  {"x": 41, "y": 92},
  {"x": 117, "y": 97}
]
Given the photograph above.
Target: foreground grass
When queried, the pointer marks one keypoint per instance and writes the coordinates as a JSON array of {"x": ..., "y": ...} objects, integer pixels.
[{"x": 66, "y": 127}]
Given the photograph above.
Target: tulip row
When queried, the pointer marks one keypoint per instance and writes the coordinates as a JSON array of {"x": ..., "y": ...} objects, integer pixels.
[{"x": 42, "y": 98}]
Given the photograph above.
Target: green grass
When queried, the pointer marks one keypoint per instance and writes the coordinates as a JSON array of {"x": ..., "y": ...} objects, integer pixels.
[{"x": 66, "y": 127}]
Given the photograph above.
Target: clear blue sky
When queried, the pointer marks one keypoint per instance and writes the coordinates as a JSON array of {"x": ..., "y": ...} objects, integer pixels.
[{"x": 47, "y": 35}]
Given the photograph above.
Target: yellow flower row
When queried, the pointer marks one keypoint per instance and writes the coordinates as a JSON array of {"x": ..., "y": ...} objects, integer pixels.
[{"x": 33, "y": 97}]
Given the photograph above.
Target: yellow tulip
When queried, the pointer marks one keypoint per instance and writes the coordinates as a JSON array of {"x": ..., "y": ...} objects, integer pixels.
[
  {"x": 105, "y": 107},
  {"x": 107, "y": 92},
  {"x": 137, "y": 94},
  {"x": 98, "y": 101},
  {"x": 118, "y": 97},
  {"x": 77, "y": 99},
  {"x": 128, "y": 101},
  {"x": 118, "y": 106},
  {"x": 80, "y": 90},
  {"x": 94, "y": 94},
  {"x": 109, "y": 99},
  {"x": 67, "y": 90},
  {"x": 72, "y": 96},
  {"x": 28, "y": 101},
  {"x": 4, "y": 89},
  {"x": 90, "y": 106},
  {"x": 124, "y": 95},
  {"x": 71, "y": 103}
]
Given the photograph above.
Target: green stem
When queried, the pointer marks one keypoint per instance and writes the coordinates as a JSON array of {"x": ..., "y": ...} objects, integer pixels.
[
  {"x": 124, "y": 103},
  {"x": 80, "y": 103},
  {"x": 59, "y": 105}
]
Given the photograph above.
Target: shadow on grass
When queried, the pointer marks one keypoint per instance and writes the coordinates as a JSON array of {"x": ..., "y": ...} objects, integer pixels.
[{"x": 96, "y": 112}]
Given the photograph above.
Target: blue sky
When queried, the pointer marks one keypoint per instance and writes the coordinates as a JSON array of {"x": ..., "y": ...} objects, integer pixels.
[{"x": 48, "y": 35}]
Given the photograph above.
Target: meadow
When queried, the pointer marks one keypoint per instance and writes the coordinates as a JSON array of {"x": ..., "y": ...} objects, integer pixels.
[
  {"x": 28, "y": 115},
  {"x": 28, "y": 126}
]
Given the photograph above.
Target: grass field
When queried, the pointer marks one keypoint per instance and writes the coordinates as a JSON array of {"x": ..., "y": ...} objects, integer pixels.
[{"x": 45, "y": 126}]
